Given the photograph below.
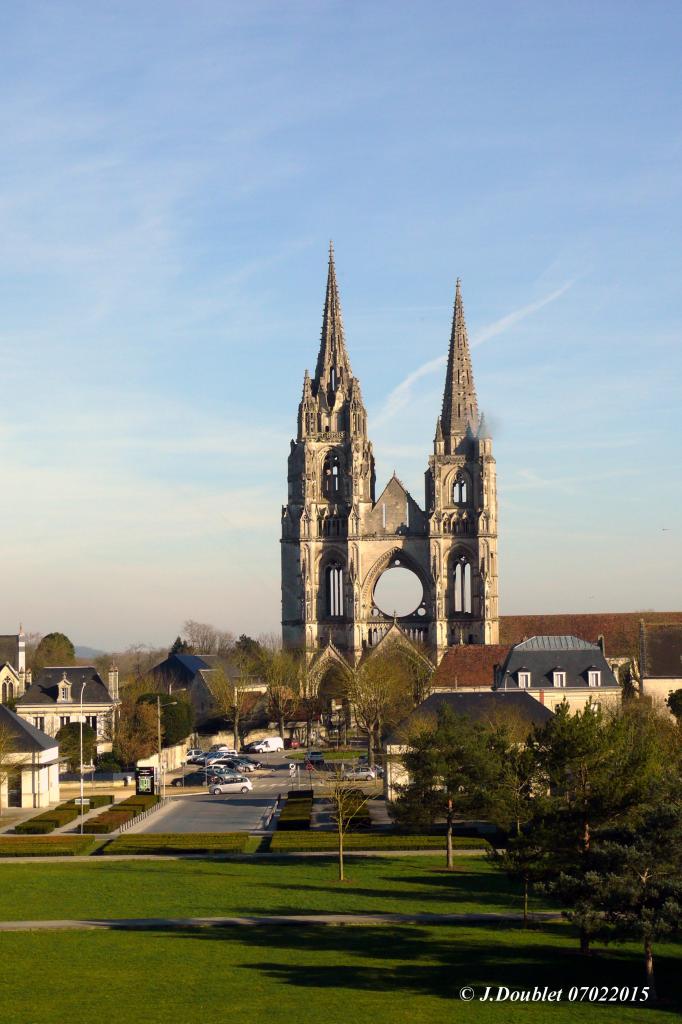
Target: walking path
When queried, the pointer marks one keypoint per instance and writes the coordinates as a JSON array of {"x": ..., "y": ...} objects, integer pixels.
[
  {"x": 330, "y": 854},
  {"x": 297, "y": 920}
]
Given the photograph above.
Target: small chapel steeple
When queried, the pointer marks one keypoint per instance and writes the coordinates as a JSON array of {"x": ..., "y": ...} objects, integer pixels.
[
  {"x": 333, "y": 365},
  {"x": 460, "y": 407}
]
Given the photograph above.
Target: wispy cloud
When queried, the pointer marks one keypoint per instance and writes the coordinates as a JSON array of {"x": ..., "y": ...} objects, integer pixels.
[{"x": 400, "y": 396}]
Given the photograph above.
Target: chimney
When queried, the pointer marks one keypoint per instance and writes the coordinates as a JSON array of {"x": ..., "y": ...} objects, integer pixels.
[
  {"x": 113, "y": 681},
  {"x": 541, "y": 696},
  {"x": 601, "y": 643}
]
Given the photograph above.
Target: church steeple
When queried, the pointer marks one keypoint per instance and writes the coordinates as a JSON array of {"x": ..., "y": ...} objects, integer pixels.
[
  {"x": 460, "y": 408},
  {"x": 333, "y": 364}
]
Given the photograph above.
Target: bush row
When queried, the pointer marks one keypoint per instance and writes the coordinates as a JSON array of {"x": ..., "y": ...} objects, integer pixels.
[
  {"x": 300, "y": 842},
  {"x": 45, "y": 846},
  {"x": 295, "y": 814},
  {"x": 174, "y": 843},
  {"x": 95, "y": 800},
  {"x": 48, "y": 821},
  {"x": 119, "y": 814}
]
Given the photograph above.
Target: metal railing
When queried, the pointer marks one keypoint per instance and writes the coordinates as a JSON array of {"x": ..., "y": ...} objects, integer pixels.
[{"x": 144, "y": 814}]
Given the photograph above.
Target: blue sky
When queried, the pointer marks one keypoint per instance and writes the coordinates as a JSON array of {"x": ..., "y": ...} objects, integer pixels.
[{"x": 170, "y": 176}]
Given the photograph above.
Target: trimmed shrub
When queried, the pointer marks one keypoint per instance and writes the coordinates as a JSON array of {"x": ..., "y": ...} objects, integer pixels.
[
  {"x": 119, "y": 814},
  {"x": 301, "y": 842},
  {"x": 45, "y": 846},
  {"x": 174, "y": 843},
  {"x": 48, "y": 821},
  {"x": 96, "y": 800},
  {"x": 295, "y": 814}
]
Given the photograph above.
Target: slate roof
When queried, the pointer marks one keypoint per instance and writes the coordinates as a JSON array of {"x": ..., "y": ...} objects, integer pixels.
[
  {"x": 8, "y": 650},
  {"x": 554, "y": 643},
  {"x": 619, "y": 629},
  {"x": 662, "y": 650},
  {"x": 467, "y": 665},
  {"x": 45, "y": 687},
  {"x": 542, "y": 656},
  {"x": 28, "y": 739},
  {"x": 487, "y": 707}
]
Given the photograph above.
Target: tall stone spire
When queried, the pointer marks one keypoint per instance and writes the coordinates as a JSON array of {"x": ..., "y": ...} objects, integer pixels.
[
  {"x": 460, "y": 408},
  {"x": 333, "y": 365}
]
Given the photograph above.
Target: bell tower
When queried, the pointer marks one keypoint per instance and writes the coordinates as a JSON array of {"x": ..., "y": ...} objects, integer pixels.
[
  {"x": 461, "y": 502},
  {"x": 338, "y": 538},
  {"x": 331, "y": 483}
]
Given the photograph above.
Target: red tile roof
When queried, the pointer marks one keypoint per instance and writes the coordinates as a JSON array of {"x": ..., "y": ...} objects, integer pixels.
[
  {"x": 619, "y": 629},
  {"x": 468, "y": 665}
]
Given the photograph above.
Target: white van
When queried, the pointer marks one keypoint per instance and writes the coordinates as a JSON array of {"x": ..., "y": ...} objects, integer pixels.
[{"x": 269, "y": 743}]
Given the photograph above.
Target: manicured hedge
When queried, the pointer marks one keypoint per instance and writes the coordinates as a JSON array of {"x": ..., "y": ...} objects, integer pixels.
[
  {"x": 174, "y": 843},
  {"x": 119, "y": 814},
  {"x": 95, "y": 800},
  {"x": 295, "y": 814},
  {"x": 45, "y": 846},
  {"x": 300, "y": 842},
  {"x": 48, "y": 821}
]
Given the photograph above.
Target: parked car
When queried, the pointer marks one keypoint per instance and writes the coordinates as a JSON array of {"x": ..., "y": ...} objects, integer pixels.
[
  {"x": 238, "y": 784},
  {"x": 251, "y": 760},
  {"x": 291, "y": 744},
  {"x": 190, "y": 779},
  {"x": 315, "y": 757},
  {"x": 222, "y": 748},
  {"x": 359, "y": 775},
  {"x": 265, "y": 745},
  {"x": 192, "y": 754},
  {"x": 235, "y": 763}
]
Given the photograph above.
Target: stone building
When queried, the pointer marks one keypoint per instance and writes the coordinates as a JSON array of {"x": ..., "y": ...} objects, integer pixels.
[
  {"x": 14, "y": 677},
  {"x": 29, "y": 775},
  {"x": 660, "y": 660},
  {"x": 338, "y": 538},
  {"x": 60, "y": 695}
]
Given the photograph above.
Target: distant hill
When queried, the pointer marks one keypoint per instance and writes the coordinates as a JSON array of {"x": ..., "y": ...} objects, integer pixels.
[{"x": 82, "y": 651}]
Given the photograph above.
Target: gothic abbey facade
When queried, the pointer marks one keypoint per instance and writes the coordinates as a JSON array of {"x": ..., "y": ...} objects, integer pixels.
[{"x": 338, "y": 537}]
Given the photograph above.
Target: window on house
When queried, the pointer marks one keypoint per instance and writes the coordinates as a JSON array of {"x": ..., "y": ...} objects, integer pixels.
[
  {"x": 39, "y": 722},
  {"x": 559, "y": 678},
  {"x": 91, "y": 720},
  {"x": 594, "y": 677},
  {"x": 64, "y": 692},
  {"x": 524, "y": 680},
  {"x": 334, "y": 595},
  {"x": 64, "y": 720},
  {"x": 462, "y": 584}
]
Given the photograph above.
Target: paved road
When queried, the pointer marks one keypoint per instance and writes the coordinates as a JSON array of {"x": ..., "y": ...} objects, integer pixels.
[{"x": 198, "y": 811}]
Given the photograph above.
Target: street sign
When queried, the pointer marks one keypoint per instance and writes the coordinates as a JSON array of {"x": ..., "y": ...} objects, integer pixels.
[{"x": 144, "y": 780}]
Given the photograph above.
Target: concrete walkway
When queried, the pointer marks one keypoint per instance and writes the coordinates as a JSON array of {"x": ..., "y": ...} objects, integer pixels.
[
  {"x": 296, "y": 920},
  {"x": 329, "y": 854}
]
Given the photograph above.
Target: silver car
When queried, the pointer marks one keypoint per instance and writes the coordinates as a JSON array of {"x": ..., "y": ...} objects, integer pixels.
[
  {"x": 236, "y": 784},
  {"x": 359, "y": 775}
]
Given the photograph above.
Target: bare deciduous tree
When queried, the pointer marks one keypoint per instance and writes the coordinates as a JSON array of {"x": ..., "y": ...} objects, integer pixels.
[
  {"x": 346, "y": 802},
  {"x": 231, "y": 698},
  {"x": 280, "y": 671},
  {"x": 380, "y": 693}
]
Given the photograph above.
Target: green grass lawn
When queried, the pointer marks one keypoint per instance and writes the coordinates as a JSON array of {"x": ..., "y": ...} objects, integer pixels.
[
  {"x": 102, "y": 888},
  {"x": 335, "y": 975}
]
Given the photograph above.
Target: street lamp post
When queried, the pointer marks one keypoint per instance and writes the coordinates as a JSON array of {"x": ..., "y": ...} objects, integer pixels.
[
  {"x": 159, "y": 705},
  {"x": 81, "y": 744}
]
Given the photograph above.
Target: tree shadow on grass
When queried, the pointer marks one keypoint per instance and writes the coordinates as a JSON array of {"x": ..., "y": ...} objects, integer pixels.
[{"x": 431, "y": 961}]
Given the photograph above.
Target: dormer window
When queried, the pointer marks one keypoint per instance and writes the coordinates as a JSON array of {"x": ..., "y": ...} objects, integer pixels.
[
  {"x": 64, "y": 689},
  {"x": 594, "y": 677},
  {"x": 559, "y": 678},
  {"x": 64, "y": 692},
  {"x": 524, "y": 680}
]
